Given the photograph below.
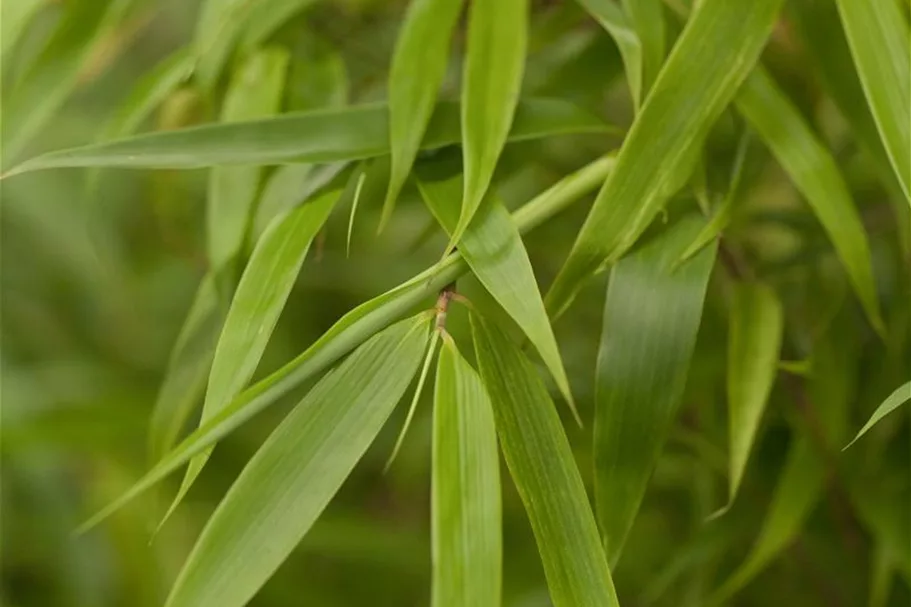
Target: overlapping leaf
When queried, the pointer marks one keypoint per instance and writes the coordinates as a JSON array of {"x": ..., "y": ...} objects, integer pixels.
[
  {"x": 467, "y": 542},
  {"x": 260, "y": 298},
  {"x": 541, "y": 464},
  {"x": 266, "y": 16},
  {"x": 351, "y": 133},
  {"x": 494, "y": 251},
  {"x": 651, "y": 318},
  {"x": 351, "y": 330},
  {"x": 880, "y": 43},
  {"x": 647, "y": 18},
  {"x": 418, "y": 67},
  {"x": 255, "y": 92},
  {"x": 816, "y": 175},
  {"x": 613, "y": 19},
  {"x": 754, "y": 342},
  {"x": 719, "y": 45},
  {"x": 289, "y": 482},
  {"x": 491, "y": 82}
]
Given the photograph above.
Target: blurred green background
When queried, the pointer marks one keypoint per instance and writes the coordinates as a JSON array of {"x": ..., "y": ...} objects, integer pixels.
[{"x": 99, "y": 269}]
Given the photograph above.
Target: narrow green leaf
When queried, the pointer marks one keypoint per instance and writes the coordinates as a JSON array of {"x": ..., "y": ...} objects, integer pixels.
[
  {"x": 150, "y": 91},
  {"x": 288, "y": 186},
  {"x": 51, "y": 78},
  {"x": 493, "y": 248},
  {"x": 719, "y": 45},
  {"x": 422, "y": 378},
  {"x": 188, "y": 367},
  {"x": 291, "y": 479},
  {"x": 267, "y": 16},
  {"x": 491, "y": 82},
  {"x": 261, "y": 295},
  {"x": 754, "y": 343},
  {"x": 647, "y": 17},
  {"x": 357, "y": 197},
  {"x": 320, "y": 136},
  {"x": 255, "y": 92},
  {"x": 722, "y": 216},
  {"x": 613, "y": 19},
  {"x": 217, "y": 29},
  {"x": 880, "y": 43},
  {"x": 901, "y": 395},
  {"x": 465, "y": 489},
  {"x": 814, "y": 172},
  {"x": 651, "y": 317},
  {"x": 418, "y": 67},
  {"x": 541, "y": 464},
  {"x": 352, "y": 329},
  {"x": 16, "y": 17}
]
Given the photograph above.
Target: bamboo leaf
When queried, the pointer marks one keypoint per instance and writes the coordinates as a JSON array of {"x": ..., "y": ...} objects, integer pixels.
[
  {"x": 351, "y": 330},
  {"x": 493, "y": 248},
  {"x": 54, "y": 74},
  {"x": 217, "y": 29},
  {"x": 615, "y": 21},
  {"x": 719, "y": 45},
  {"x": 651, "y": 317},
  {"x": 422, "y": 378},
  {"x": 255, "y": 92},
  {"x": 288, "y": 186},
  {"x": 878, "y": 36},
  {"x": 541, "y": 464},
  {"x": 418, "y": 67},
  {"x": 647, "y": 17},
  {"x": 814, "y": 172},
  {"x": 16, "y": 18},
  {"x": 465, "y": 503},
  {"x": 901, "y": 395},
  {"x": 491, "y": 82},
  {"x": 756, "y": 330},
  {"x": 352, "y": 133},
  {"x": 291, "y": 479},
  {"x": 188, "y": 367},
  {"x": 150, "y": 91},
  {"x": 261, "y": 295}
]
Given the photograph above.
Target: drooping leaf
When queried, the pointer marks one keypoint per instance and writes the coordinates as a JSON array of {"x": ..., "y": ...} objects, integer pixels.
[
  {"x": 255, "y": 92},
  {"x": 651, "y": 317},
  {"x": 289, "y": 186},
  {"x": 54, "y": 74},
  {"x": 150, "y": 91},
  {"x": 880, "y": 43},
  {"x": 291, "y": 479},
  {"x": 494, "y": 251},
  {"x": 647, "y": 18},
  {"x": 266, "y": 16},
  {"x": 814, "y": 172},
  {"x": 217, "y": 30},
  {"x": 260, "y": 298},
  {"x": 422, "y": 378},
  {"x": 188, "y": 367},
  {"x": 719, "y": 45},
  {"x": 465, "y": 493},
  {"x": 754, "y": 343},
  {"x": 351, "y": 133},
  {"x": 901, "y": 395},
  {"x": 491, "y": 82},
  {"x": 418, "y": 67},
  {"x": 542, "y": 466},
  {"x": 351, "y": 330},
  {"x": 613, "y": 19}
]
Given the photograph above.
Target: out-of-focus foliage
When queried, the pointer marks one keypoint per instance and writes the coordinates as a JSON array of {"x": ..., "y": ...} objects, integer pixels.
[{"x": 740, "y": 302}]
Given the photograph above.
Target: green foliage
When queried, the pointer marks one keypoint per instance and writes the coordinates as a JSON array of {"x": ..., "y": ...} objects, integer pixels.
[{"x": 728, "y": 281}]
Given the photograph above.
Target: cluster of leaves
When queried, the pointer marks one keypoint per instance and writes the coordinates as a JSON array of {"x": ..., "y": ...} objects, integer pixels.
[{"x": 749, "y": 323}]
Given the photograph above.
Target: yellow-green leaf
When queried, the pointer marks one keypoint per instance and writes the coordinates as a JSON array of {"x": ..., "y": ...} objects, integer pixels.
[
  {"x": 291, "y": 479},
  {"x": 814, "y": 172},
  {"x": 880, "y": 43},
  {"x": 542, "y": 466},
  {"x": 491, "y": 82},
  {"x": 651, "y": 317},
  {"x": 754, "y": 343},
  {"x": 901, "y": 395},
  {"x": 718, "y": 47},
  {"x": 465, "y": 494},
  {"x": 352, "y": 133},
  {"x": 493, "y": 248},
  {"x": 418, "y": 67},
  {"x": 255, "y": 92}
]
